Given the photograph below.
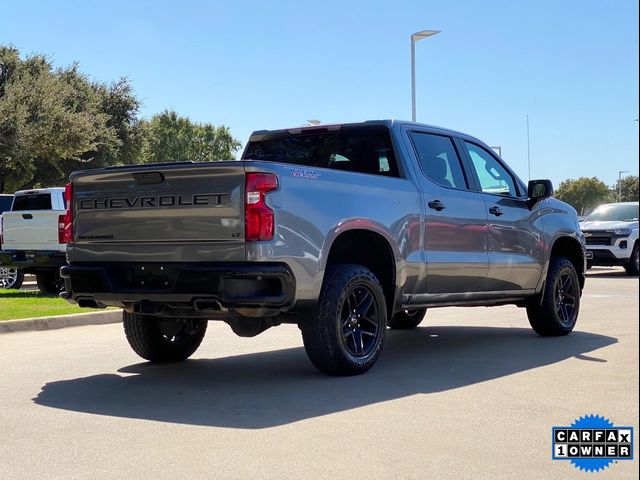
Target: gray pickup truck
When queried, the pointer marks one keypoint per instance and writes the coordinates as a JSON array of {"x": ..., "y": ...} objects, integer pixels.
[{"x": 344, "y": 230}]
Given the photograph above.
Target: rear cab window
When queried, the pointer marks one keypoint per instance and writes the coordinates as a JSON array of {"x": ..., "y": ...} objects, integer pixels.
[
  {"x": 32, "y": 201},
  {"x": 353, "y": 148}
]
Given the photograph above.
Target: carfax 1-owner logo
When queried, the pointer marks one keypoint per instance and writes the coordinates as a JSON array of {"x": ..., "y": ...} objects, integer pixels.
[{"x": 592, "y": 443}]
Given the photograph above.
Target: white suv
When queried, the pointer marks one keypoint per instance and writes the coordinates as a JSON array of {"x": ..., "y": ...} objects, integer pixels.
[{"x": 611, "y": 233}]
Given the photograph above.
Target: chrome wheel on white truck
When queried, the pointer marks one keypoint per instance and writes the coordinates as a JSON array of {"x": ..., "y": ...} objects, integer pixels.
[{"x": 11, "y": 278}]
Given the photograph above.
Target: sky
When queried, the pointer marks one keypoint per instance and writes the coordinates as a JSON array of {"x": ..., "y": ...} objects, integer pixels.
[{"x": 571, "y": 66}]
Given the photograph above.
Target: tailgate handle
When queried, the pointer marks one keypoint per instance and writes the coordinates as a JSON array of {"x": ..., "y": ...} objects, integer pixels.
[
  {"x": 27, "y": 216},
  {"x": 148, "y": 178}
]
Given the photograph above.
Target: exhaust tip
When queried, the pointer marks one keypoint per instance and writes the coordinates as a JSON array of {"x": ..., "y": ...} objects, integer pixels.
[
  {"x": 208, "y": 305},
  {"x": 88, "y": 303}
]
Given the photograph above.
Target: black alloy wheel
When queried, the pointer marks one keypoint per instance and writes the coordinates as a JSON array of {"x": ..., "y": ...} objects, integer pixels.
[
  {"x": 555, "y": 311},
  {"x": 346, "y": 335},
  {"x": 566, "y": 292},
  {"x": 361, "y": 321}
]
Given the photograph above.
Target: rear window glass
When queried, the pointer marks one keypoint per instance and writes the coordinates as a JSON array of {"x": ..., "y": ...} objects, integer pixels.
[
  {"x": 35, "y": 201},
  {"x": 355, "y": 149},
  {"x": 5, "y": 203}
]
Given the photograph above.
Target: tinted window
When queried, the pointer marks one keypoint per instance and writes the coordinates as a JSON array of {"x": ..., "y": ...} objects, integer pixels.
[
  {"x": 493, "y": 177},
  {"x": 438, "y": 159},
  {"x": 614, "y": 213},
  {"x": 5, "y": 203},
  {"x": 355, "y": 149},
  {"x": 36, "y": 201}
]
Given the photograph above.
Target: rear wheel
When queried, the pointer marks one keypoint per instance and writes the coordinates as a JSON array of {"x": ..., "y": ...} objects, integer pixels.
[
  {"x": 50, "y": 282},
  {"x": 633, "y": 266},
  {"x": 11, "y": 278},
  {"x": 159, "y": 339},
  {"x": 558, "y": 313},
  {"x": 407, "y": 319},
  {"x": 347, "y": 335}
]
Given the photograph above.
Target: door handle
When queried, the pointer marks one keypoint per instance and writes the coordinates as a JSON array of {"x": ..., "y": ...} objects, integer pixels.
[
  {"x": 437, "y": 205},
  {"x": 495, "y": 211},
  {"x": 27, "y": 216}
]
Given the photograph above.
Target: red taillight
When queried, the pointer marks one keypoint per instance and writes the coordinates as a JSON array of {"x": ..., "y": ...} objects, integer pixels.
[
  {"x": 258, "y": 217},
  {"x": 65, "y": 222}
]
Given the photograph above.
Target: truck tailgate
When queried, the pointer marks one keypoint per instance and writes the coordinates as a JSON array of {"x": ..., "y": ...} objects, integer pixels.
[
  {"x": 160, "y": 213},
  {"x": 31, "y": 230}
]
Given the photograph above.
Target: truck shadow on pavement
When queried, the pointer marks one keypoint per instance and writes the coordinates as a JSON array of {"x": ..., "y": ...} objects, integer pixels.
[{"x": 262, "y": 390}]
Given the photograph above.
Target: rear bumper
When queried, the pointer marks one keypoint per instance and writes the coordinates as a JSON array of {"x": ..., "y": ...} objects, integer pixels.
[
  {"x": 210, "y": 290},
  {"x": 38, "y": 260}
]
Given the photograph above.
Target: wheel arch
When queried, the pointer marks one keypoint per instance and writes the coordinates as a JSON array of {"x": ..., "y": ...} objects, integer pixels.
[
  {"x": 571, "y": 248},
  {"x": 370, "y": 247}
]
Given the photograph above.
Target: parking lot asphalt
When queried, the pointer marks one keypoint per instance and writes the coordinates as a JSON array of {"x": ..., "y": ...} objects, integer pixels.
[{"x": 472, "y": 393}]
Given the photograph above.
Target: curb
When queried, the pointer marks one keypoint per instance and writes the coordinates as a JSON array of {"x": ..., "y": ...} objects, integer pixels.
[{"x": 60, "y": 321}]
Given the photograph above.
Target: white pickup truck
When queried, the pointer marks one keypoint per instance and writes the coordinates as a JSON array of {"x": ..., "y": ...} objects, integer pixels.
[{"x": 33, "y": 236}]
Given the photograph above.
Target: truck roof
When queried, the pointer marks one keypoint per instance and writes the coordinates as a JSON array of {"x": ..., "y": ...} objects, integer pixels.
[
  {"x": 34, "y": 191},
  {"x": 387, "y": 122}
]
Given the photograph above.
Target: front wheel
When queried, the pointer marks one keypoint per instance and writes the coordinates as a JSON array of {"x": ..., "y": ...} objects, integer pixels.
[
  {"x": 347, "y": 334},
  {"x": 159, "y": 339},
  {"x": 633, "y": 267},
  {"x": 558, "y": 313},
  {"x": 407, "y": 319}
]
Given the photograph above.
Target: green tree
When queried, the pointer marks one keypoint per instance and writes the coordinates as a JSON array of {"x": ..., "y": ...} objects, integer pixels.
[
  {"x": 628, "y": 186},
  {"x": 583, "y": 193},
  {"x": 54, "y": 121},
  {"x": 168, "y": 137}
]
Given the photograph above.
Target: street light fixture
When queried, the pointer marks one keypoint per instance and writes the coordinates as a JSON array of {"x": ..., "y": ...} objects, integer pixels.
[{"x": 416, "y": 37}]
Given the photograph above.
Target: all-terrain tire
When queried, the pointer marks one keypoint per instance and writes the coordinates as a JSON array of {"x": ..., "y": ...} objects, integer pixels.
[
  {"x": 160, "y": 339},
  {"x": 558, "y": 313},
  {"x": 347, "y": 334},
  {"x": 49, "y": 282},
  {"x": 407, "y": 319},
  {"x": 632, "y": 267}
]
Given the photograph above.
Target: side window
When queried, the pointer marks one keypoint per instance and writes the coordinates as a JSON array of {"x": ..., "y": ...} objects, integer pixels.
[
  {"x": 438, "y": 159},
  {"x": 492, "y": 176}
]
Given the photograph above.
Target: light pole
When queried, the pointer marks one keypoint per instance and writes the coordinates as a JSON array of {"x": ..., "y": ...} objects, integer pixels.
[
  {"x": 416, "y": 37},
  {"x": 620, "y": 183},
  {"x": 528, "y": 150}
]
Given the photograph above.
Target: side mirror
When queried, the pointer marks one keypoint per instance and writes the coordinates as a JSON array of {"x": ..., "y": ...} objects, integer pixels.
[{"x": 539, "y": 189}]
